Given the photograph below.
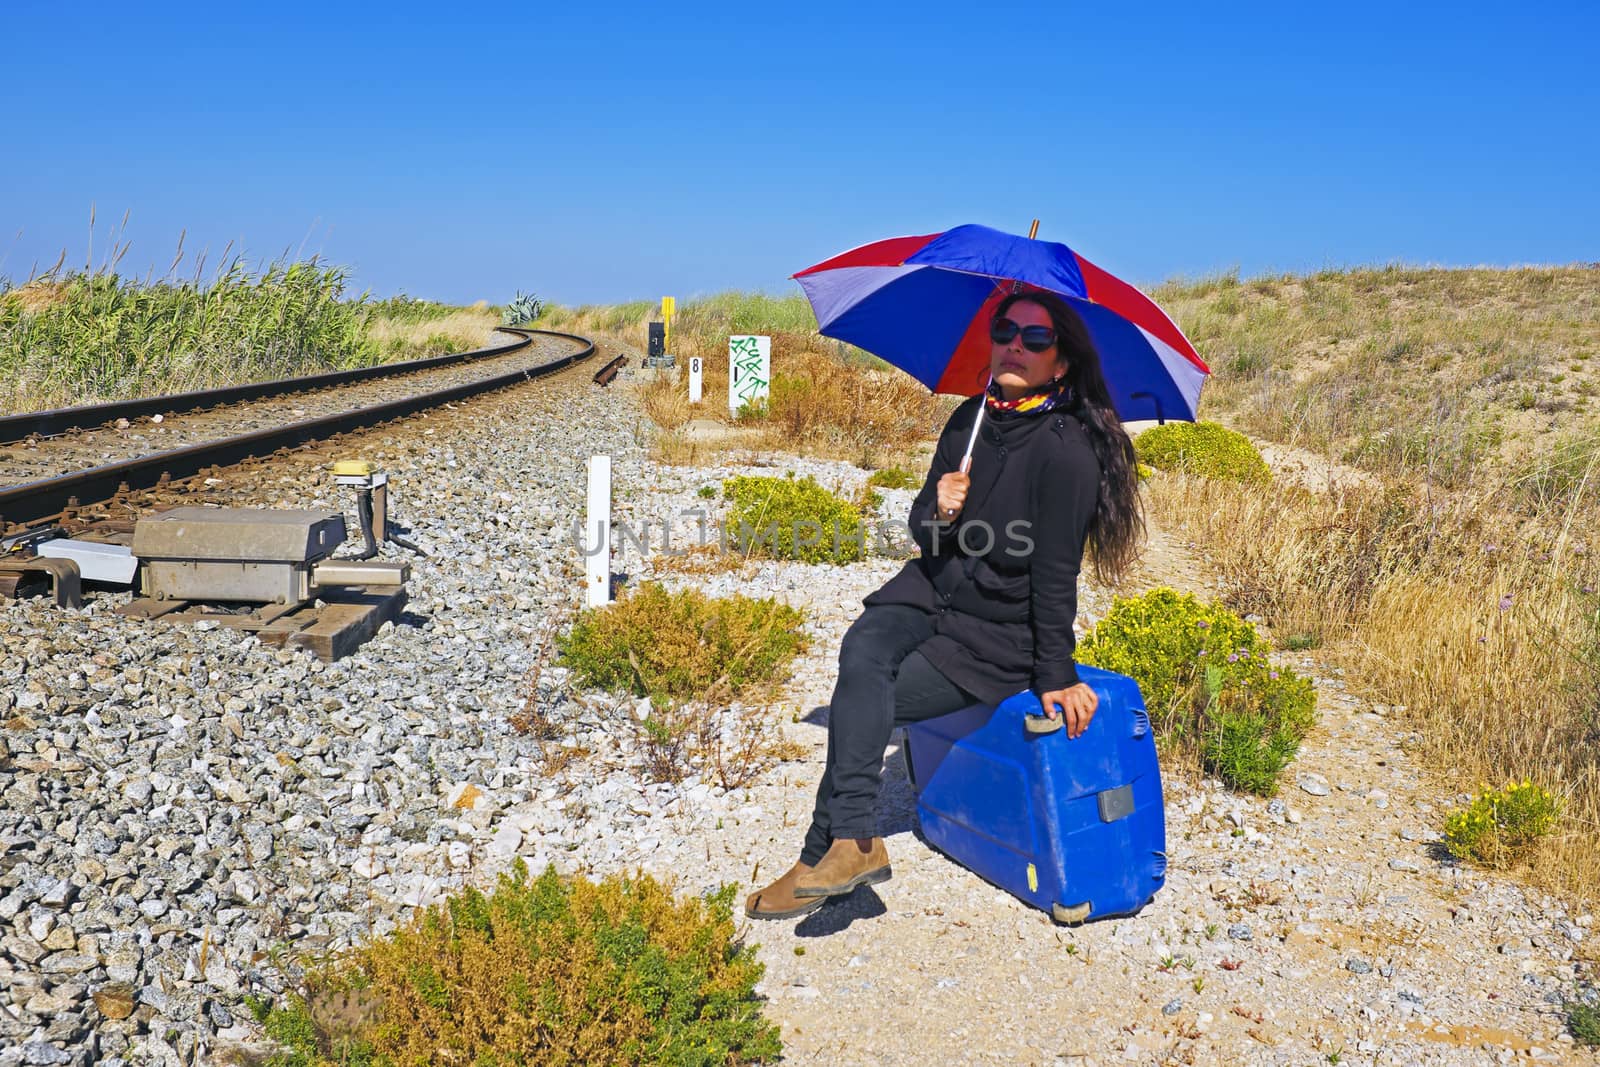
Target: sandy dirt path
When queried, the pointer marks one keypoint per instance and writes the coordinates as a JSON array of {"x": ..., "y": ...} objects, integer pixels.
[{"x": 1323, "y": 926}]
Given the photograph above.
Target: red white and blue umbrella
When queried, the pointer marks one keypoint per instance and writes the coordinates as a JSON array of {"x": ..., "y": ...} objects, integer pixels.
[{"x": 924, "y": 303}]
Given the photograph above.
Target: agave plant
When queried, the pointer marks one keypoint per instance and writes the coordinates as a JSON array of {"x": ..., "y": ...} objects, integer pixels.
[{"x": 525, "y": 307}]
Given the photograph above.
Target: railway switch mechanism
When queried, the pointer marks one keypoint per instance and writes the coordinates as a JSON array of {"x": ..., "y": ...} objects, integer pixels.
[{"x": 267, "y": 571}]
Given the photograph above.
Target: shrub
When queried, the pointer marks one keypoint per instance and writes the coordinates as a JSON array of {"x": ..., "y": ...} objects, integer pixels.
[
  {"x": 754, "y": 411},
  {"x": 1207, "y": 683},
  {"x": 1501, "y": 826},
  {"x": 792, "y": 518},
  {"x": 729, "y": 746},
  {"x": 1247, "y": 750},
  {"x": 1583, "y": 1019},
  {"x": 894, "y": 478},
  {"x": 554, "y": 970},
  {"x": 1202, "y": 448},
  {"x": 290, "y": 1025},
  {"x": 327, "y": 1025},
  {"x": 685, "y": 645}
]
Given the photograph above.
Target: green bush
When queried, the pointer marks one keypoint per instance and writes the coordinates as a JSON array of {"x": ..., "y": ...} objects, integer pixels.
[
  {"x": 1207, "y": 683},
  {"x": 757, "y": 410},
  {"x": 1501, "y": 826},
  {"x": 548, "y": 971},
  {"x": 792, "y": 518},
  {"x": 1205, "y": 449},
  {"x": 1583, "y": 1019},
  {"x": 894, "y": 478},
  {"x": 292, "y": 1027},
  {"x": 685, "y": 645},
  {"x": 1247, "y": 750}
]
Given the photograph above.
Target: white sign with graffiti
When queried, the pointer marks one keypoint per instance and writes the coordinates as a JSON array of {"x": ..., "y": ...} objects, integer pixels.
[{"x": 749, "y": 370}]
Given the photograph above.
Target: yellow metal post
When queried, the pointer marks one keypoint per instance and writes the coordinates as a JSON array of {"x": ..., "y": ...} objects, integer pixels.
[{"x": 668, "y": 306}]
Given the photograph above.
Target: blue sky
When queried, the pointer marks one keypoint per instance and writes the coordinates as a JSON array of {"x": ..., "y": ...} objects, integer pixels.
[{"x": 607, "y": 151}]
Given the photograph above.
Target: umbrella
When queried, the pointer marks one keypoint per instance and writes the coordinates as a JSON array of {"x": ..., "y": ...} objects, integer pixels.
[{"x": 923, "y": 304}]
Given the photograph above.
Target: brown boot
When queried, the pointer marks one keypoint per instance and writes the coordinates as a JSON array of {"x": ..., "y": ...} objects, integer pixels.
[
  {"x": 849, "y": 862},
  {"x": 778, "y": 901}
]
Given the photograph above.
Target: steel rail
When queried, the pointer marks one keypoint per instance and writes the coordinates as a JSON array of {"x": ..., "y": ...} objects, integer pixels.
[
  {"x": 64, "y": 420},
  {"x": 44, "y": 499},
  {"x": 604, "y": 375}
]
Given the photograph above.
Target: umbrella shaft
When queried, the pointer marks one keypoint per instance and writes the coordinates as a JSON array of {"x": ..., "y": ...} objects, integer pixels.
[{"x": 966, "y": 460}]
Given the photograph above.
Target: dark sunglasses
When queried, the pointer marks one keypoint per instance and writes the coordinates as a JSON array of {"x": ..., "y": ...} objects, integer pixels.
[{"x": 1034, "y": 338}]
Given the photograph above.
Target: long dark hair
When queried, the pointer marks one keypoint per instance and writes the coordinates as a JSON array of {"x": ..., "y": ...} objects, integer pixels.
[{"x": 1118, "y": 523}]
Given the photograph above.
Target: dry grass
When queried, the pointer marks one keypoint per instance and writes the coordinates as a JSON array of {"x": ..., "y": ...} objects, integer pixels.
[
  {"x": 459, "y": 331},
  {"x": 38, "y": 295},
  {"x": 819, "y": 406},
  {"x": 1453, "y": 578},
  {"x": 1480, "y": 623},
  {"x": 1306, "y": 561},
  {"x": 824, "y": 406},
  {"x": 666, "y": 402},
  {"x": 700, "y": 560},
  {"x": 702, "y": 326},
  {"x": 828, "y": 399},
  {"x": 732, "y": 746},
  {"x": 1398, "y": 369}
]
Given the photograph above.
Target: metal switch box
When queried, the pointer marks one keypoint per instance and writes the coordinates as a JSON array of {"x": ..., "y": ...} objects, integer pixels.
[{"x": 229, "y": 554}]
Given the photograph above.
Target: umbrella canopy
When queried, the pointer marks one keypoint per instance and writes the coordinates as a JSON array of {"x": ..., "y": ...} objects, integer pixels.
[{"x": 924, "y": 305}]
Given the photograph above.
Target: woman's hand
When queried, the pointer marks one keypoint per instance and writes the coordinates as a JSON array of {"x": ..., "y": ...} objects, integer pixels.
[
  {"x": 1076, "y": 703},
  {"x": 952, "y": 492}
]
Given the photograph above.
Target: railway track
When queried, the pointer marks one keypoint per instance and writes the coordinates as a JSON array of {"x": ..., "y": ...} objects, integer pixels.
[
  {"x": 66, "y": 420},
  {"x": 106, "y": 460},
  {"x": 79, "y": 438}
]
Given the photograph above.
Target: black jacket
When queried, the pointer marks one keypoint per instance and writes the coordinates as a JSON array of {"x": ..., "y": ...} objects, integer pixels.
[{"x": 1003, "y": 579}]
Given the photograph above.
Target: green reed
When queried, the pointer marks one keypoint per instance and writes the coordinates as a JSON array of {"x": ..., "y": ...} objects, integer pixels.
[{"x": 91, "y": 335}]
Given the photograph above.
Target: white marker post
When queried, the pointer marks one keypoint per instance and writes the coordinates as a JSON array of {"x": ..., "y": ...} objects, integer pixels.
[
  {"x": 749, "y": 370},
  {"x": 694, "y": 379},
  {"x": 597, "y": 535}
]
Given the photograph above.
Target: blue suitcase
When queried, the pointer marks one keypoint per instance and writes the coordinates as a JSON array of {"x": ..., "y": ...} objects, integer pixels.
[{"x": 1074, "y": 826}]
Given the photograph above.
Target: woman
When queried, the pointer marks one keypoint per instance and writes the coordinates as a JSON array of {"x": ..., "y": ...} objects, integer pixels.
[{"x": 987, "y": 609}]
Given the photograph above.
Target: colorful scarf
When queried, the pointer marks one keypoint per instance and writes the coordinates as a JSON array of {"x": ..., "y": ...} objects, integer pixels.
[{"x": 1056, "y": 394}]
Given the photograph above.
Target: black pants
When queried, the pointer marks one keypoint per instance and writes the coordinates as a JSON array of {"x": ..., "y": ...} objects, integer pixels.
[{"x": 884, "y": 682}]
